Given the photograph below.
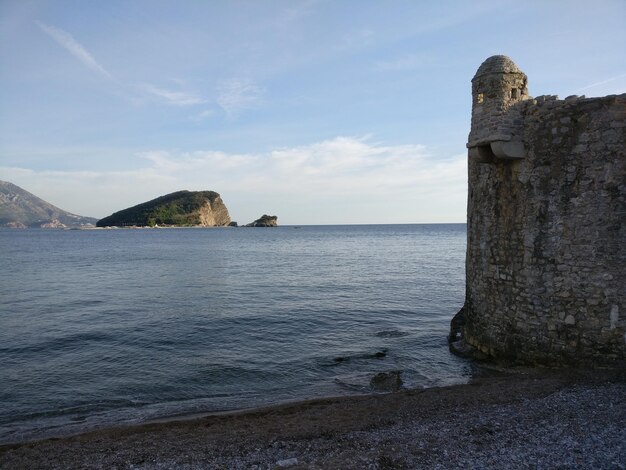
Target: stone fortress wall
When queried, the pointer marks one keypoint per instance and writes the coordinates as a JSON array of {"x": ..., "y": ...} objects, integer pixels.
[{"x": 546, "y": 252}]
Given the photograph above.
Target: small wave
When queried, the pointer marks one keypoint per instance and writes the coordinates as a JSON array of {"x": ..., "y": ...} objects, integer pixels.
[
  {"x": 83, "y": 408},
  {"x": 84, "y": 303},
  {"x": 71, "y": 341},
  {"x": 380, "y": 354},
  {"x": 353, "y": 387},
  {"x": 382, "y": 381},
  {"x": 391, "y": 334}
]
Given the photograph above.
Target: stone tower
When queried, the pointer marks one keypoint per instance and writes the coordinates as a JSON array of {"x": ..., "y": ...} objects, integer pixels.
[
  {"x": 546, "y": 225},
  {"x": 497, "y": 86}
]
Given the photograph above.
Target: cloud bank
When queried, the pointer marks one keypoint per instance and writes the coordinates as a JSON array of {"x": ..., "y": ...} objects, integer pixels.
[{"x": 341, "y": 180}]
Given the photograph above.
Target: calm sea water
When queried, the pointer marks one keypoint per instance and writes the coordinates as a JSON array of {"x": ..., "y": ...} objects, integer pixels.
[{"x": 102, "y": 327}]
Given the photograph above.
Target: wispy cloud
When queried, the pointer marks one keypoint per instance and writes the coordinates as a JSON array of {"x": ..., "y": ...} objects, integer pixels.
[
  {"x": 295, "y": 11},
  {"x": 603, "y": 82},
  {"x": 202, "y": 115},
  {"x": 237, "y": 95},
  {"x": 357, "y": 39},
  {"x": 177, "y": 98},
  {"x": 66, "y": 41}
]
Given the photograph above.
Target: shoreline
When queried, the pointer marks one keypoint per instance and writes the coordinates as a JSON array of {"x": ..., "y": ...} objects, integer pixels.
[{"x": 505, "y": 418}]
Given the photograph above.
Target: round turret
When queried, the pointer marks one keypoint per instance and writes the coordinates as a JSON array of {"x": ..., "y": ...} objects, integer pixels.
[{"x": 497, "y": 85}]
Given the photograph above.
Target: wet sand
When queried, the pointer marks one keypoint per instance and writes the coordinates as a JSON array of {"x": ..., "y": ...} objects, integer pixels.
[{"x": 516, "y": 419}]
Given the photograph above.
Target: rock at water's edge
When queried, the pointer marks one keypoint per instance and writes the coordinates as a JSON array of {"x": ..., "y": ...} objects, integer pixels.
[
  {"x": 265, "y": 221},
  {"x": 386, "y": 381}
]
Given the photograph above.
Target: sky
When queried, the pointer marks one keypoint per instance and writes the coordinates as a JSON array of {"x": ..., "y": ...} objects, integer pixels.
[{"x": 317, "y": 111}]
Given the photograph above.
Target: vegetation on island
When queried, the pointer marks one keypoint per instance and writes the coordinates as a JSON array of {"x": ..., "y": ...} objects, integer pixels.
[{"x": 182, "y": 208}]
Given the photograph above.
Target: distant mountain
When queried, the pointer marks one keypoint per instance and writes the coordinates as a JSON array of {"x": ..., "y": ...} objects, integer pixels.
[
  {"x": 19, "y": 209},
  {"x": 182, "y": 208}
]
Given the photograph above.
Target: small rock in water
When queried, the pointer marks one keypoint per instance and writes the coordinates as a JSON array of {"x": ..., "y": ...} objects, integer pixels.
[
  {"x": 380, "y": 354},
  {"x": 386, "y": 381},
  {"x": 391, "y": 334},
  {"x": 287, "y": 462}
]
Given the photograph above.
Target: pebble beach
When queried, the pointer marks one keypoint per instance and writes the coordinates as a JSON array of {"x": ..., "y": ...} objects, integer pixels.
[{"x": 520, "y": 418}]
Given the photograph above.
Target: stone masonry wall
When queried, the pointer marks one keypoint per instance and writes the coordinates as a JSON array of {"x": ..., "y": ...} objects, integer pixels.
[{"x": 546, "y": 255}]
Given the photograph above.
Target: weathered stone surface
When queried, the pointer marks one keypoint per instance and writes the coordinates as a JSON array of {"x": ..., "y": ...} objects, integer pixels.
[
  {"x": 213, "y": 213},
  {"x": 546, "y": 232},
  {"x": 386, "y": 381}
]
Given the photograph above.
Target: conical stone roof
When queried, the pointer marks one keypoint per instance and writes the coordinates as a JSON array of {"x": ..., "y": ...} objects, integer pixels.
[{"x": 497, "y": 64}]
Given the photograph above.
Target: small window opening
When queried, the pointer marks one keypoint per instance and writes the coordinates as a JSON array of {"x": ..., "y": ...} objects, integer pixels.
[
  {"x": 480, "y": 98},
  {"x": 514, "y": 93},
  {"x": 485, "y": 154}
]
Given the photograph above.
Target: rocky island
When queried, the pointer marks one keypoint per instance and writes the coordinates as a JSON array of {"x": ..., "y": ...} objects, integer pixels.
[
  {"x": 179, "y": 209},
  {"x": 265, "y": 221}
]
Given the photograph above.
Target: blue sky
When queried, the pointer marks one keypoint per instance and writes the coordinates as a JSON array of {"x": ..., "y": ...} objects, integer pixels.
[{"x": 320, "y": 112}]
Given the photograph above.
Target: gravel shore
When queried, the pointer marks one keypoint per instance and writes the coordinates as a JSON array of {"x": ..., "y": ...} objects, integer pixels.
[{"x": 519, "y": 419}]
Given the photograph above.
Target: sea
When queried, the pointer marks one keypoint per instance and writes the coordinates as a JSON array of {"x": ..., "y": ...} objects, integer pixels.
[{"x": 110, "y": 327}]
